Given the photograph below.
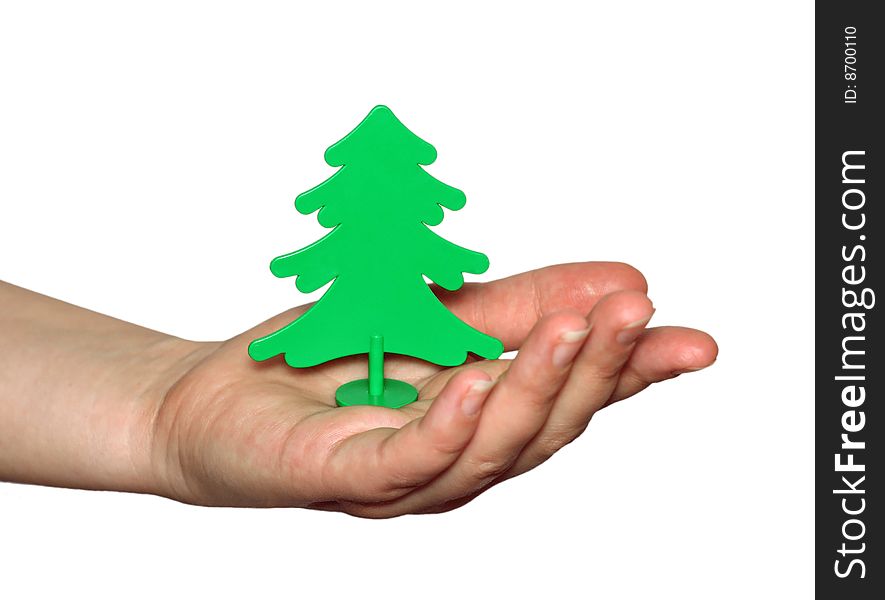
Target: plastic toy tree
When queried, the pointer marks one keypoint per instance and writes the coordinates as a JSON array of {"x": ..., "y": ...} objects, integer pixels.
[{"x": 379, "y": 205}]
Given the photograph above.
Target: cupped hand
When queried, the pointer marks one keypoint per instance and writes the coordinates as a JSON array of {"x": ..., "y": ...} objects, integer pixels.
[{"x": 239, "y": 433}]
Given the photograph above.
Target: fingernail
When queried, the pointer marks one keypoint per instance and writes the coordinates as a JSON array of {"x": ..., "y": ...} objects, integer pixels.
[
  {"x": 567, "y": 347},
  {"x": 687, "y": 370},
  {"x": 632, "y": 331},
  {"x": 476, "y": 397}
]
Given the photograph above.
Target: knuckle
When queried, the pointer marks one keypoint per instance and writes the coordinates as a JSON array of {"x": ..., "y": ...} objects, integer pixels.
[
  {"x": 398, "y": 484},
  {"x": 488, "y": 468},
  {"x": 447, "y": 446},
  {"x": 548, "y": 446},
  {"x": 378, "y": 492}
]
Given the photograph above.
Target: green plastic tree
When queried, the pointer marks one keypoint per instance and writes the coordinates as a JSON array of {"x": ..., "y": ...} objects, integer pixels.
[{"x": 379, "y": 205}]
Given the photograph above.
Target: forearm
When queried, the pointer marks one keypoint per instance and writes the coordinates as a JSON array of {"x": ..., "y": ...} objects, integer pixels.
[{"x": 78, "y": 391}]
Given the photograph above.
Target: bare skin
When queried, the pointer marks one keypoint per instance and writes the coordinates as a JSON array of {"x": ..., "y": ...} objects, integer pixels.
[{"x": 88, "y": 401}]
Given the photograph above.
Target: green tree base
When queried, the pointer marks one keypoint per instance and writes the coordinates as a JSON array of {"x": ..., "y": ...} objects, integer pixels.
[{"x": 395, "y": 394}]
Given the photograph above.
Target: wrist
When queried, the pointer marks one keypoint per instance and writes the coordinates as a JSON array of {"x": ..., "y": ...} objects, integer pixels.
[{"x": 167, "y": 362}]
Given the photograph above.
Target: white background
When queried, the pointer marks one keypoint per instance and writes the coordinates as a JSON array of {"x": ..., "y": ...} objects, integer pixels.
[{"x": 149, "y": 158}]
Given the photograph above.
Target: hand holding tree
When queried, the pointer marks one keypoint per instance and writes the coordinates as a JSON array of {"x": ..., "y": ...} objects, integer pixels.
[
  {"x": 89, "y": 401},
  {"x": 242, "y": 433}
]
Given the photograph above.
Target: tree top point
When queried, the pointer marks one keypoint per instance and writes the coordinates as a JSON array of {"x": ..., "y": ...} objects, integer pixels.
[{"x": 380, "y": 133}]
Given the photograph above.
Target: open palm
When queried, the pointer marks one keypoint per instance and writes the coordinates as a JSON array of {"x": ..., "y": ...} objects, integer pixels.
[{"x": 235, "y": 432}]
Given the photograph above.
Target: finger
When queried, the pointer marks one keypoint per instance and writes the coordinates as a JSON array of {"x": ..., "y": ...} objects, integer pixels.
[
  {"x": 663, "y": 353},
  {"x": 508, "y": 308},
  {"x": 616, "y": 323},
  {"x": 514, "y": 412},
  {"x": 384, "y": 463}
]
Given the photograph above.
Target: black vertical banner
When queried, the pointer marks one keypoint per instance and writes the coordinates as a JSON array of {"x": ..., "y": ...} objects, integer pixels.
[{"x": 849, "y": 366}]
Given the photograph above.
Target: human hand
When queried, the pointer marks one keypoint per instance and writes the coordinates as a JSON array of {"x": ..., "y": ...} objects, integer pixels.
[{"x": 231, "y": 431}]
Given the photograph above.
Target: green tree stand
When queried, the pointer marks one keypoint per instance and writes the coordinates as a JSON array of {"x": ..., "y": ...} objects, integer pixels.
[{"x": 379, "y": 205}]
